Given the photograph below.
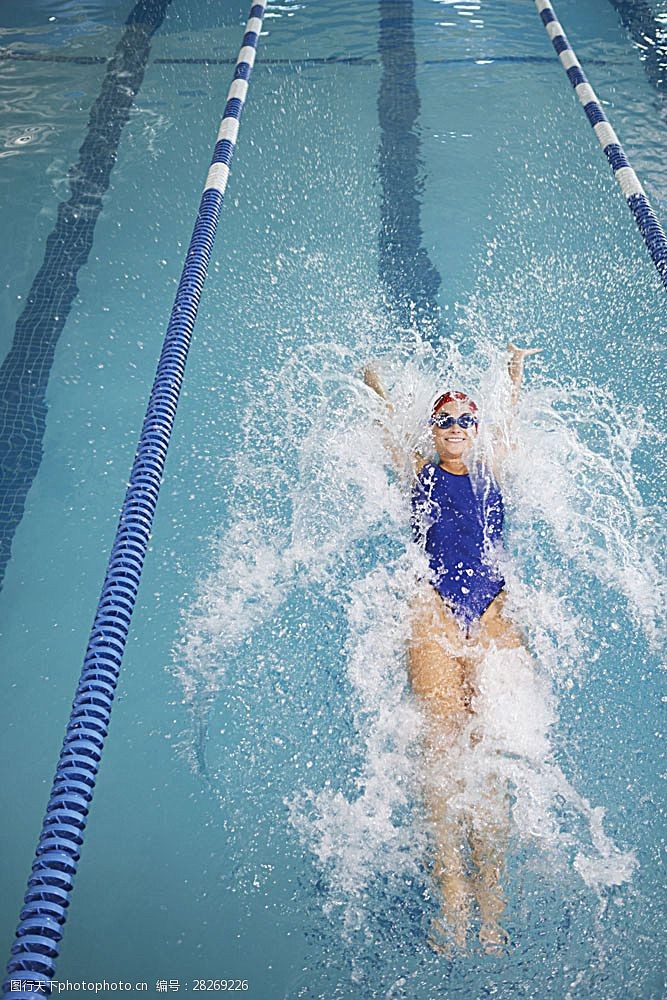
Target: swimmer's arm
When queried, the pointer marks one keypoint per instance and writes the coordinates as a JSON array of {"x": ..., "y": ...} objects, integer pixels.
[
  {"x": 372, "y": 380},
  {"x": 517, "y": 356},
  {"x": 515, "y": 362}
]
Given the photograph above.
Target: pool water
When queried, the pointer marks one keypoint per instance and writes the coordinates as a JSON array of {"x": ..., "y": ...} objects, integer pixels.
[{"x": 257, "y": 814}]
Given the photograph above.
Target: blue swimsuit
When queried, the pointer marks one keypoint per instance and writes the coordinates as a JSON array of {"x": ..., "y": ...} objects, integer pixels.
[{"x": 460, "y": 527}]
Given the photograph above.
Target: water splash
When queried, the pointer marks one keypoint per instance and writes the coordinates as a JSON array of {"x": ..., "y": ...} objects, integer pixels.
[{"x": 333, "y": 516}]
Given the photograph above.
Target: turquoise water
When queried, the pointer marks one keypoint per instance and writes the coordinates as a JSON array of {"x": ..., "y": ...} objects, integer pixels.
[{"x": 256, "y": 815}]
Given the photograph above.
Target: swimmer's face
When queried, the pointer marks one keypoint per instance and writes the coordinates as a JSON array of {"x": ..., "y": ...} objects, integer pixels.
[{"x": 452, "y": 442}]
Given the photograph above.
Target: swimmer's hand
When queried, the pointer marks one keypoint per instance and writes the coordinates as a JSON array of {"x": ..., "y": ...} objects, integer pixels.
[
  {"x": 372, "y": 380},
  {"x": 517, "y": 356},
  {"x": 519, "y": 353},
  {"x": 392, "y": 442}
]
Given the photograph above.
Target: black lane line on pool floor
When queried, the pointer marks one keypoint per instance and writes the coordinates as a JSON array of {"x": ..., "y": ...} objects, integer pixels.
[
  {"x": 52, "y": 57},
  {"x": 25, "y": 372},
  {"x": 18, "y": 56},
  {"x": 411, "y": 280}
]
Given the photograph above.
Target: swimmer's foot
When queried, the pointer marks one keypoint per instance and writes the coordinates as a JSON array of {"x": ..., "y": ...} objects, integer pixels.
[
  {"x": 491, "y": 900},
  {"x": 446, "y": 940},
  {"x": 493, "y": 938},
  {"x": 449, "y": 929}
]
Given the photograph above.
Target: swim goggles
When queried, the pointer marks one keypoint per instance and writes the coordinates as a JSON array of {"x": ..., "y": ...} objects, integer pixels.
[{"x": 466, "y": 420}]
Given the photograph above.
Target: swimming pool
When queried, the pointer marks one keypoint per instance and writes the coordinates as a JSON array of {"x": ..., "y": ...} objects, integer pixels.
[{"x": 286, "y": 855}]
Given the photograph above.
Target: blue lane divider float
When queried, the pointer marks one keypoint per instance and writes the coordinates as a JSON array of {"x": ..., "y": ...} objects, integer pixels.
[
  {"x": 36, "y": 948},
  {"x": 634, "y": 194}
]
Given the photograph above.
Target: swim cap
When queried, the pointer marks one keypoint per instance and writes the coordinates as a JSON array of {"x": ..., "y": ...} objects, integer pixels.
[{"x": 453, "y": 397}]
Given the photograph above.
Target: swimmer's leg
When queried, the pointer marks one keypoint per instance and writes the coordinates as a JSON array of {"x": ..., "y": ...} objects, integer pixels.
[
  {"x": 489, "y": 833},
  {"x": 495, "y": 628},
  {"x": 437, "y": 667},
  {"x": 437, "y": 674},
  {"x": 489, "y": 837},
  {"x": 449, "y": 930}
]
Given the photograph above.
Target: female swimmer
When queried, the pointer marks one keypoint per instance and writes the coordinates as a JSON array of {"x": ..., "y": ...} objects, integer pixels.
[{"x": 457, "y": 615}]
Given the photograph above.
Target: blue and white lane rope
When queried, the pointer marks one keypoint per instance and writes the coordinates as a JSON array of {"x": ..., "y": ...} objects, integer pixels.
[
  {"x": 44, "y": 912},
  {"x": 634, "y": 193}
]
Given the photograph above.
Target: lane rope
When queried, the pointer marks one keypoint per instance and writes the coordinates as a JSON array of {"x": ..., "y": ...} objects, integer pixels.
[
  {"x": 633, "y": 192},
  {"x": 39, "y": 932}
]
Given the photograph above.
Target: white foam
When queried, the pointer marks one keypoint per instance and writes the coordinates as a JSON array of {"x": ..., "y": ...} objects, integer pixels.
[{"x": 514, "y": 705}]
